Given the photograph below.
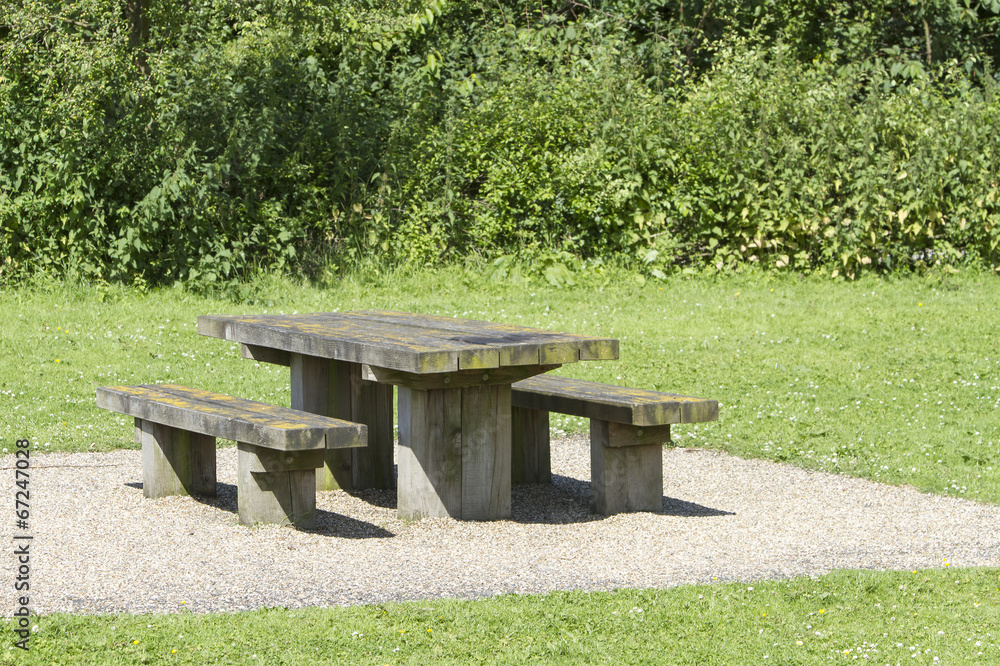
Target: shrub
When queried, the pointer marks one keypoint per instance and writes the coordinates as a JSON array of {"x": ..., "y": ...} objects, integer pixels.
[{"x": 289, "y": 136}]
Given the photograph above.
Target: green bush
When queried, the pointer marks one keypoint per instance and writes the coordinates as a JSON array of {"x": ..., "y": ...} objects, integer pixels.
[
  {"x": 297, "y": 136},
  {"x": 845, "y": 166},
  {"x": 549, "y": 155},
  {"x": 235, "y": 152}
]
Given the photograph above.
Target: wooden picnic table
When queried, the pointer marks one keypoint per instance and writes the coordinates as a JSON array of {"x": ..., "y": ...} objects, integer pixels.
[{"x": 454, "y": 378}]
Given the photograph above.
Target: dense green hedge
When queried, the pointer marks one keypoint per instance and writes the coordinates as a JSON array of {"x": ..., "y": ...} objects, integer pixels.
[{"x": 297, "y": 135}]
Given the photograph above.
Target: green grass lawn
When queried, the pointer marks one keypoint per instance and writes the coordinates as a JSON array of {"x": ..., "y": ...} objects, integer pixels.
[
  {"x": 896, "y": 380},
  {"x": 943, "y": 616}
]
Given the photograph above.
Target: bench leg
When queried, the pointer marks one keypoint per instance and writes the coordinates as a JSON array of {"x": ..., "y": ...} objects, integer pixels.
[
  {"x": 174, "y": 461},
  {"x": 337, "y": 389},
  {"x": 626, "y": 467},
  {"x": 277, "y": 487},
  {"x": 530, "y": 457}
]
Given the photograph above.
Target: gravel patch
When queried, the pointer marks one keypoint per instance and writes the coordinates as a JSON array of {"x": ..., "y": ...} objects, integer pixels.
[{"x": 100, "y": 547}]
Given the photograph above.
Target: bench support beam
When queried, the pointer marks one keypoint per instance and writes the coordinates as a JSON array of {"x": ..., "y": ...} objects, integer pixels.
[
  {"x": 277, "y": 486},
  {"x": 626, "y": 467},
  {"x": 626, "y": 461},
  {"x": 174, "y": 461}
]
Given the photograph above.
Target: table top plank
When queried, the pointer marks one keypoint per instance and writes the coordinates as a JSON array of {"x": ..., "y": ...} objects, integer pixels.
[
  {"x": 408, "y": 342},
  {"x": 519, "y": 345},
  {"x": 341, "y": 338},
  {"x": 470, "y": 354}
]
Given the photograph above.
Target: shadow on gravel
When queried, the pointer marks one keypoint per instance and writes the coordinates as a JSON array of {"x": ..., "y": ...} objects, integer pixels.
[
  {"x": 676, "y": 507},
  {"x": 567, "y": 500},
  {"x": 327, "y": 523},
  {"x": 384, "y": 499}
]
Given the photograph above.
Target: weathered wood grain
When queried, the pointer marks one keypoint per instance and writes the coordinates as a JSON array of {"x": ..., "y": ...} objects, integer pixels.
[
  {"x": 176, "y": 462},
  {"x": 530, "y": 446},
  {"x": 403, "y": 341},
  {"x": 458, "y": 379},
  {"x": 266, "y": 355},
  {"x": 434, "y": 361},
  {"x": 352, "y": 397},
  {"x": 310, "y": 383},
  {"x": 430, "y": 453},
  {"x": 518, "y": 345},
  {"x": 374, "y": 466},
  {"x": 624, "y": 434},
  {"x": 593, "y": 400},
  {"x": 343, "y": 338},
  {"x": 270, "y": 490},
  {"x": 454, "y": 453},
  {"x": 271, "y": 460},
  {"x": 624, "y": 478},
  {"x": 486, "y": 452},
  {"x": 178, "y": 426},
  {"x": 628, "y": 428},
  {"x": 231, "y": 418},
  {"x": 339, "y": 394}
]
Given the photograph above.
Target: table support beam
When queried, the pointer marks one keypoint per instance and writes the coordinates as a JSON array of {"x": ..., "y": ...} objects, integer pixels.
[
  {"x": 531, "y": 458},
  {"x": 430, "y": 453},
  {"x": 454, "y": 453},
  {"x": 337, "y": 389},
  {"x": 486, "y": 452}
]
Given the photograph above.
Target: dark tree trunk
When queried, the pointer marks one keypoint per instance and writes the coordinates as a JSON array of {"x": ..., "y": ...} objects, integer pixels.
[{"x": 137, "y": 12}]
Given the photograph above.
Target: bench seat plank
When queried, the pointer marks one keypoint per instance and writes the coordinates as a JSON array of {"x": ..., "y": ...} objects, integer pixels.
[
  {"x": 628, "y": 428},
  {"x": 640, "y": 407},
  {"x": 280, "y": 449},
  {"x": 231, "y": 418}
]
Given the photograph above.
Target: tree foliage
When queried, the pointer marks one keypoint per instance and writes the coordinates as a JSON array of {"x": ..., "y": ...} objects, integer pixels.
[{"x": 289, "y": 135}]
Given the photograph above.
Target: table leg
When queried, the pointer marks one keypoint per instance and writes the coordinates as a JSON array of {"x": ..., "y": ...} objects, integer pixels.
[
  {"x": 336, "y": 389},
  {"x": 454, "y": 452},
  {"x": 530, "y": 455}
]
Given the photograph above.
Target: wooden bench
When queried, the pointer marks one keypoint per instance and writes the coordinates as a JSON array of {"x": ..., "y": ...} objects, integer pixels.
[
  {"x": 628, "y": 428},
  {"x": 280, "y": 449}
]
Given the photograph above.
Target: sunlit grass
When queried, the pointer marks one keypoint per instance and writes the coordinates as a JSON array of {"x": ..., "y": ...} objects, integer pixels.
[
  {"x": 896, "y": 380},
  {"x": 942, "y": 616}
]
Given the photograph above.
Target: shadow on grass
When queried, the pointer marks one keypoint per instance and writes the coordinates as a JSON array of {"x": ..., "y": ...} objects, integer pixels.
[{"x": 327, "y": 523}]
